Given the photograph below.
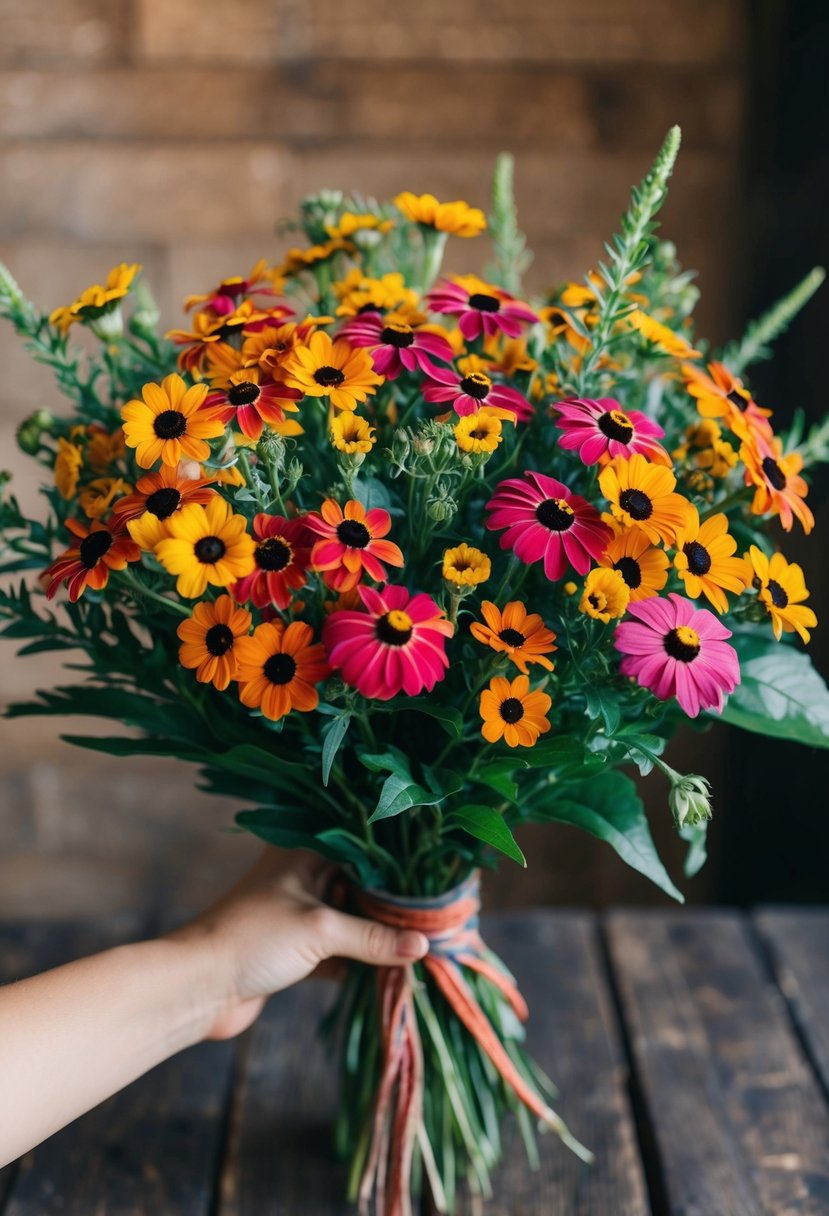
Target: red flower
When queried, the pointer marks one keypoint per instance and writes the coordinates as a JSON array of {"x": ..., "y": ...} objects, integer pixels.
[
  {"x": 351, "y": 544},
  {"x": 282, "y": 554},
  {"x": 101, "y": 548},
  {"x": 469, "y": 393},
  {"x": 253, "y": 400}
]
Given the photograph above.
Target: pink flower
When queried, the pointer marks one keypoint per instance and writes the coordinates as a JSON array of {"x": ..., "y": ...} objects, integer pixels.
[
  {"x": 480, "y": 307},
  {"x": 601, "y": 428},
  {"x": 544, "y": 520},
  {"x": 395, "y": 344},
  {"x": 678, "y": 650},
  {"x": 398, "y": 644},
  {"x": 469, "y": 393}
]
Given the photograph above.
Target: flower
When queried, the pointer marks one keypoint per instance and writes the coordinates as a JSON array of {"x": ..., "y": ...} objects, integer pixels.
[
  {"x": 163, "y": 493},
  {"x": 350, "y": 433},
  {"x": 515, "y": 632},
  {"x": 103, "y": 448},
  {"x": 689, "y": 799},
  {"x": 481, "y": 307},
  {"x": 723, "y": 395},
  {"x": 677, "y": 650},
  {"x": 222, "y": 300},
  {"x": 705, "y": 562},
  {"x": 643, "y": 567},
  {"x": 397, "y": 344},
  {"x": 466, "y": 566},
  {"x": 472, "y": 392},
  {"x": 359, "y": 293},
  {"x": 479, "y": 433},
  {"x": 600, "y": 429},
  {"x": 711, "y": 452},
  {"x": 660, "y": 335},
  {"x": 206, "y": 545},
  {"x": 336, "y": 370},
  {"x": 68, "y": 464},
  {"x": 457, "y": 218},
  {"x": 605, "y": 595},
  {"x": 544, "y": 520},
  {"x": 512, "y": 713},
  {"x": 351, "y": 543},
  {"x": 298, "y": 260},
  {"x": 96, "y": 497},
  {"x": 96, "y": 301},
  {"x": 100, "y": 548},
  {"x": 396, "y": 644},
  {"x": 352, "y": 225},
  {"x": 282, "y": 554},
  {"x": 779, "y": 487},
  {"x": 641, "y": 496},
  {"x": 278, "y": 668},
  {"x": 209, "y": 639},
  {"x": 782, "y": 590},
  {"x": 251, "y": 400},
  {"x": 169, "y": 423}
]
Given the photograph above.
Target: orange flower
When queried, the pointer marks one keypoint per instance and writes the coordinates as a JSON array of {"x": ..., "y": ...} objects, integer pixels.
[
  {"x": 209, "y": 639},
  {"x": 351, "y": 543},
  {"x": 723, "y": 395},
  {"x": 278, "y": 668},
  {"x": 510, "y": 711},
  {"x": 515, "y": 632},
  {"x": 780, "y": 489},
  {"x": 100, "y": 548}
]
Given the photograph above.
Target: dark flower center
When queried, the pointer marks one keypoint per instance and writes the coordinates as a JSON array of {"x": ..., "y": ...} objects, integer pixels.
[
  {"x": 329, "y": 377},
  {"x": 164, "y": 502},
  {"x": 597, "y": 603},
  {"x": 476, "y": 385},
  {"x": 555, "y": 514},
  {"x": 273, "y": 554},
  {"x": 637, "y": 504},
  {"x": 93, "y": 547},
  {"x": 511, "y": 710},
  {"x": 779, "y": 597},
  {"x": 630, "y": 571},
  {"x": 209, "y": 549},
  {"x": 279, "y": 669},
  {"x": 738, "y": 400},
  {"x": 169, "y": 424},
  {"x": 394, "y": 628},
  {"x": 699, "y": 559},
  {"x": 354, "y": 534},
  {"x": 774, "y": 473},
  {"x": 218, "y": 640},
  {"x": 682, "y": 644},
  {"x": 243, "y": 394},
  {"x": 616, "y": 425},
  {"x": 484, "y": 303},
  {"x": 397, "y": 335},
  {"x": 512, "y": 637}
]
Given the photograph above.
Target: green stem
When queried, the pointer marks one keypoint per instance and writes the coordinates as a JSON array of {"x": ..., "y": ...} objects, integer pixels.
[{"x": 128, "y": 580}]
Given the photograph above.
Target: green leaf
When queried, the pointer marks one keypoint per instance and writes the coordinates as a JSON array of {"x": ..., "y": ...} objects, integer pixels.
[
  {"x": 563, "y": 756},
  {"x": 604, "y": 702},
  {"x": 333, "y": 734},
  {"x": 608, "y": 807},
  {"x": 779, "y": 694},
  {"x": 499, "y": 775},
  {"x": 116, "y": 745},
  {"x": 390, "y": 761},
  {"x": 284, "y": 827},
  {"x": 401, "y": 794},
  {"x": 450, "y": 719},
  {"x": 487, "y": 825},
  {"x": 348, "y": 849}
]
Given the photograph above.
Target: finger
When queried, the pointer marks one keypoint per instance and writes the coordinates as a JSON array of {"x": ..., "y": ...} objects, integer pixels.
[{"x": 367, "y": 941}]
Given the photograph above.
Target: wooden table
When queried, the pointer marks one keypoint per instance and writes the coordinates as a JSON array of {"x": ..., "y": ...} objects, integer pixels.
[{"x": 691, "y": 1049}]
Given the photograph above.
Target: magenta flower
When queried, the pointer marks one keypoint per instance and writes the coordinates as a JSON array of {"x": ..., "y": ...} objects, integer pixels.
[
  {"x": 468, "y": 393},
  {"x": 544, "y": 520},
  {"x": 678, "y": 650},
  {"x": 398, "y": 644},
  {"x": 602, "y": 428},
  {"x": 480, "y": 307},
  {"x": 395, "y": 344}
]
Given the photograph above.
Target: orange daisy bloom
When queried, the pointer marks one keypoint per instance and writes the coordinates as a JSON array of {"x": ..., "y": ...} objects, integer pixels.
[
  {"x": 163, "y": 493},
  {"x": 208, "y": 640},
  {"x": 169, "y": 423},
  {"x": 337, "y": 370},
  {"x": 100, "y": 548},
  {"x": 515, "y": 632},
  {"x": 351, "y": 543},
  {"x": 643, "y": 567},
  {"x": 278, "y": 668},
  {"x": 512, "y": 713},
  {"x": 723, "y": 395},
  {"x": 780, "y": 489}
]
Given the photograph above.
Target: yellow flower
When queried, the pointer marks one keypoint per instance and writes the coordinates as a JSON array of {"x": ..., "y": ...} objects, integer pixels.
[
  {"x": 169, "y": 423},
  {"x": 97, "y": 299},
  {"x": 667, "y": 339},
  {"x": 67, "y": 468},
  {"x": 350, "y": 223},
  {"x": 96, "y": 498},
  {"x": 350, "y": 433},
  {"x": 605, "y": 596},
  {"x": 641, "y": 495},
  {"x": 705, "y": 561},
  {"x": 782, "y": 590},
  {"x": 206, "y": 545},
  {"x": 466, "y": 566},
  {"x": 457, "y": 218},
  {"x": 479, "y": 432},
  {"x": 337, "y": 370},
  {"x": 358, "y": 291},
  {"x": 643, "y": 567},
  {"x": 103, "y": 448},
  {"x": 297, "y": 260},
  {"x": 570, "y": 588}
]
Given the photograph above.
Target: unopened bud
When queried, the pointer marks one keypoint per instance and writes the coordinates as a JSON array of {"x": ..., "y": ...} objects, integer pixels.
[
  {"x": 31, "y": 430},
  {"x": 689, "y": 800},
  {"x": 109, "y": 325},
  {"x": 441, "y": 509},
  {"x": 271, "y": 448},
  {"x": 334, "y": 689},
  {"x": 292, "y": 476},
  {"x": 145, "y": 314}
]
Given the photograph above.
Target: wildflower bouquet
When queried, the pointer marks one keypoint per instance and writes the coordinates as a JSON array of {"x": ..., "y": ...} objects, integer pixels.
[{"x": 406, "y": 562}]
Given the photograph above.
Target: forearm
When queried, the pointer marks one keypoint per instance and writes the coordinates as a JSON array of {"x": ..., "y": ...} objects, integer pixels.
[{"x": 71, "y": 1037}]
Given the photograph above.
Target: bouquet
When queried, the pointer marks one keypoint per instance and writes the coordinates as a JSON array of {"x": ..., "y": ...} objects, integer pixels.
[{"x": 403, "y": 562}]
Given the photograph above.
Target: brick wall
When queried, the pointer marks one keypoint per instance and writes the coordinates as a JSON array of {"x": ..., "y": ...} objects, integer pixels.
[{"x": 177, "y": 132}]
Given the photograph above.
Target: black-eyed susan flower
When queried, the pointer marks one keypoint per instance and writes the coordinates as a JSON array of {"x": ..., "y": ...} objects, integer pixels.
[
  {"x": 169, "y": 423},
  {"x": 479, "y": 433},
  {"x": 208, "y": 640},
  {"x": 206, "y": 545},
  {"x": 298, "y": 260},
  {"x": 103, "y": 448},
  {"x": 781, "y": 588},
  {"x": 97, "y": 496},
  {"x": 250, "y": 399},
  {"x": 643, "y": 567},
  {"x": 359, "y": 227},
  {"x": 68, "y": 464},
  {"x": 360, "y": 293},
  {"x": 337, "y": 370},
  {"x": 99, "y": 549},
  {"x": 163, "y": 493},
  {"x": 278, "y": 668},
  {"x": 641, "y": 495},
  {"x": 465, "y": 566},
  {"x": 515, "y": 632},
  {"x": 720, "y": 394},
  {"x": 351, "y": 542},
  {"x": 456, "y": 218},
  {"x": 705, "y": 560},
  {"x": 98, "y": 300},
  {"x": 779, "y": 488},
  {"x": 711, "y": 453},
  {"x": 351, "y": 434},
  {"x": 512, "y": 713},
  {"x": 605, "y": 595},
  {"x": 668, "y": 340},
  {"x": 282, "y": 554}
]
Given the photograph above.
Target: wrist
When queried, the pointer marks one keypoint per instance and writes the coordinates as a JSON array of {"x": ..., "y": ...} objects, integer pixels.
[{"x": 207, "y": 991}]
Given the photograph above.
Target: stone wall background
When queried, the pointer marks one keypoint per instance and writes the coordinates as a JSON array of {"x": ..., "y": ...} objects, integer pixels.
[{"x": 177, "y": 133}]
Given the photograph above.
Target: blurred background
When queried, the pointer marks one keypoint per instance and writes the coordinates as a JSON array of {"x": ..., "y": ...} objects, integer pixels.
[{"x": 177, "y": 133}]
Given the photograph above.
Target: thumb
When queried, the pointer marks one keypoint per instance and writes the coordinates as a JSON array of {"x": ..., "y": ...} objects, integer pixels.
[{"x": 367, "y": 941}]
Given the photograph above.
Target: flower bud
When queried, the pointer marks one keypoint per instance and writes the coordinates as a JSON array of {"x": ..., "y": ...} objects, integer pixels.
[
  {"x": 271, "y": 448},
  {"x": 292, "y": 476},
  {"x": 423, "y": 445},
  {"x": 145, "y": 315},
  {"x": 334, "y": 689},
  {"x": 689, "y": 800},
  {"x": 31, "y": 430},
  {"x": 441, "y": 509}
]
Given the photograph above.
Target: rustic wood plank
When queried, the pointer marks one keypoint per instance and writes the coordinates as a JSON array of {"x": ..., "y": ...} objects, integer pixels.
[
  {"x": 798, "y": 942},
  {"x": 738, "y": 1118},
  {"x": 151, "y": 1148}
]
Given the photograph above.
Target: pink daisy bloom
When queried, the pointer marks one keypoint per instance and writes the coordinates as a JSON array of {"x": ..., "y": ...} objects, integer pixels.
[
  {"x": 678, "y": 650},
  {"x": 282, "y": 554},
  {"x": 544, "y": 520},
  {"x": 480, "y": 307},
  {"x": 395, "y": 344},
  {"x": 398, "y": 644},
  {"x": 468, "y": 393},
  {"x": 601, "y": 428}
]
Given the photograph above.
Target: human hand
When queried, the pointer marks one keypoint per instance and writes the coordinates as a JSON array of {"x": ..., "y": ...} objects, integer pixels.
[{"x": 273, "y": 929}]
